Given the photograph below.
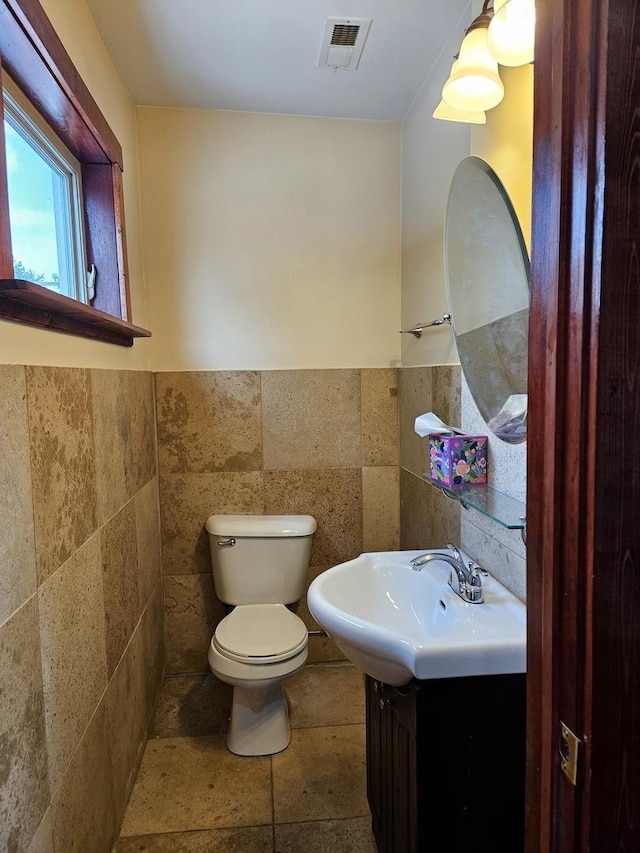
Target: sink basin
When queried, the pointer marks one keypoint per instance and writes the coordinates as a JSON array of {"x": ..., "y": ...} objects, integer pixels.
[{"x": 395, "y": 623}]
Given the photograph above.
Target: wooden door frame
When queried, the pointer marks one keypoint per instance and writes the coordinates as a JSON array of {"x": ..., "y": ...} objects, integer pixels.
[{"x": 583, "y": 571}]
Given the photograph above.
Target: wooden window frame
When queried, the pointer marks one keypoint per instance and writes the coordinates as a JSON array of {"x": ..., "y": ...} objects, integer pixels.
[{"x": 34, "y": 57}]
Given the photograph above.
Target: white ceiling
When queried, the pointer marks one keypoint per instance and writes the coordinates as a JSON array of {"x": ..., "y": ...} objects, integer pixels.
[{"x": 262, "y": 55}]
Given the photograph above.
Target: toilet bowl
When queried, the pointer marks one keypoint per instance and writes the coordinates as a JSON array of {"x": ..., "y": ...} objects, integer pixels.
[
  {"x": 254, "y": 649},
  {"x": 259, "y": 565}
]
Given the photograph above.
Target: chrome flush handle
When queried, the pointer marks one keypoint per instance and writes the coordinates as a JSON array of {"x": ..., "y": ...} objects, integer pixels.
[{"x": 226, "y": 543}]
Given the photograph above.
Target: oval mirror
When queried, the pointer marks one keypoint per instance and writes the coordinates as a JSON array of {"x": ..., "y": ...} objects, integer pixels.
[{"x": 487, "y": 273}]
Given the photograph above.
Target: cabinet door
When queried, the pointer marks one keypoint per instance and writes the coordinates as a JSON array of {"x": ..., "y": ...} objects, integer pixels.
[
  {"x": 445, "y": 765},
  {"x": 401, "y": 724},
  {"x": 379, "y": 764},
  {"x": 375, "y": 772},
  {"x": 391, "y": 767},
  {"x": 471, "y": 741}
]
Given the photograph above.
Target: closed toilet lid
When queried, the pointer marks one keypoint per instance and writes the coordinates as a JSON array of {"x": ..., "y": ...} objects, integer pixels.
[{"x": 265, "y": 633}]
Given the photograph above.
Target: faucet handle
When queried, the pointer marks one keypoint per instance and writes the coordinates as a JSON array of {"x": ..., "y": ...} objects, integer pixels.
[
  {"x": 473, "y": 586},
  {"x": 476, "y": 572}
]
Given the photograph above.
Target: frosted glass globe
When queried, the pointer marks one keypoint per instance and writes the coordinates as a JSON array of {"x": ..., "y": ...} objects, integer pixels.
[{"x": 511, "y": 37}]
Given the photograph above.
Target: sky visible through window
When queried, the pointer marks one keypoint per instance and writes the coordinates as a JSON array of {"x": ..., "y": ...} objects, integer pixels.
[{"x": 32, "y": 209}]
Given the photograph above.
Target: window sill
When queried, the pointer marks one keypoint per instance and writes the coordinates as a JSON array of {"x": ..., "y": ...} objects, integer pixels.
[{"x": 33, "y": 305}]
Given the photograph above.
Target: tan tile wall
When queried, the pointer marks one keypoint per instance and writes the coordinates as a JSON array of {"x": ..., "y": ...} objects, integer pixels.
[
  {"x": 323, "y": 442},
  {"x": 427, "y": 518},
  {"x": 81, "y": 645}
]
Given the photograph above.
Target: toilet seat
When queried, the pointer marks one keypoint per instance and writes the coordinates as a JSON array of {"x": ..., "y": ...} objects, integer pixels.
[{"x": 260, "y": 634}]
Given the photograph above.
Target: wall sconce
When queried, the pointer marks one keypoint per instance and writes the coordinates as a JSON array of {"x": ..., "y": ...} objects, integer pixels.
[
  {"x": 502, "y": 33},
  {"x": 444, "y": 111},
  {"x": 512, "y": 31},
  {"x": 474, "y": 82}
]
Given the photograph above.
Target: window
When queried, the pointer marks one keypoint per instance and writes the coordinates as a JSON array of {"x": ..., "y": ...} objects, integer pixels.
[
  {"x": 61, "y": 175},
  {"x": 44, "y": 183}
]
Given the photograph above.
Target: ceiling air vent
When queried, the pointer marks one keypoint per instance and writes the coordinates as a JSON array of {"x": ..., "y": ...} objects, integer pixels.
[{"x": 343, "y": 42}]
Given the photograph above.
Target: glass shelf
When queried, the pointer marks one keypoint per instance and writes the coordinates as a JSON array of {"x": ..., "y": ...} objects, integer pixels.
[{"x": 507, "y": 511}]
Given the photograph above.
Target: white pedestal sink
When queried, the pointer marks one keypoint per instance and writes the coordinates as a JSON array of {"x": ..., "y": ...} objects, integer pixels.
[{"x": 395, "y": 623}]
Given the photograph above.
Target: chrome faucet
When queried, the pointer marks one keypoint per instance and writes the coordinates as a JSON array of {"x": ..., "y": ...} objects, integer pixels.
[{"x": 464, "y": 580}]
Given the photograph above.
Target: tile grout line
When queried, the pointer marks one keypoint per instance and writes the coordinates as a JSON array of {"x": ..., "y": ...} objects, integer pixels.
[
  {"x": 319, "y": 678},
  {"x": 239, "y": 827},
  {"x": 296, "y": 729}
]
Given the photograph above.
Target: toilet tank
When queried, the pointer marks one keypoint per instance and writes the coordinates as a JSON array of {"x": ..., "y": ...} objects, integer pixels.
[{"x": 260, "y": 559}]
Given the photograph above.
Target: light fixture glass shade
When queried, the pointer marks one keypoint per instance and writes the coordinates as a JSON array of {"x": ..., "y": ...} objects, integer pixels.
[
  {"x": 512, "y": 32},
  {"x": 444, "y": 111},
  {"x": 474, "y": 83}
]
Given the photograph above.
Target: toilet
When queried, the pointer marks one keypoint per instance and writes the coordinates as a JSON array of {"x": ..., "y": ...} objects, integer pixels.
[{"x": 259, "y": 565}]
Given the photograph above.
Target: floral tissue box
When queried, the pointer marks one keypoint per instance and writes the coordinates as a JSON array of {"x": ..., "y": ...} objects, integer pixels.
[{"x": 458, "y": 459}]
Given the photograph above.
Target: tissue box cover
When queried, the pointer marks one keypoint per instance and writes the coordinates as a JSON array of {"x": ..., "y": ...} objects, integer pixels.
[{"x": 458, "y": 459}]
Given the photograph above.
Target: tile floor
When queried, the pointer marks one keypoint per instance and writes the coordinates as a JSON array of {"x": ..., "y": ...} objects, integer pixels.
[{"x": 193, "y": 796}]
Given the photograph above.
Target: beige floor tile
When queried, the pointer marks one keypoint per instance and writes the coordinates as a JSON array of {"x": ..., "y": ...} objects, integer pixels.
[
  {"x": 196, "y": 783},
  {"x": 321, "y": 775},
  {"x": 258, "y": 839},
  {"x": 192, "y": 706},
  {"x": 338, "y": 836},
  {"x": 326, "y": 695}
]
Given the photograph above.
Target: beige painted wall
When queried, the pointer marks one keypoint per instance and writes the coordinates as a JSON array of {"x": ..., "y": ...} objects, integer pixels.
[
  {"x": 24, "y": 345},
  {"x": 270, "y": 242},
  {"x": 431, "y": 150},
  {"x": 506, "y": 141}
]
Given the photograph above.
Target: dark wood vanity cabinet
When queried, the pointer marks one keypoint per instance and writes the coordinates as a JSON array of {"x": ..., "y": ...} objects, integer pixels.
[{"x": 446, "y": 765}]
